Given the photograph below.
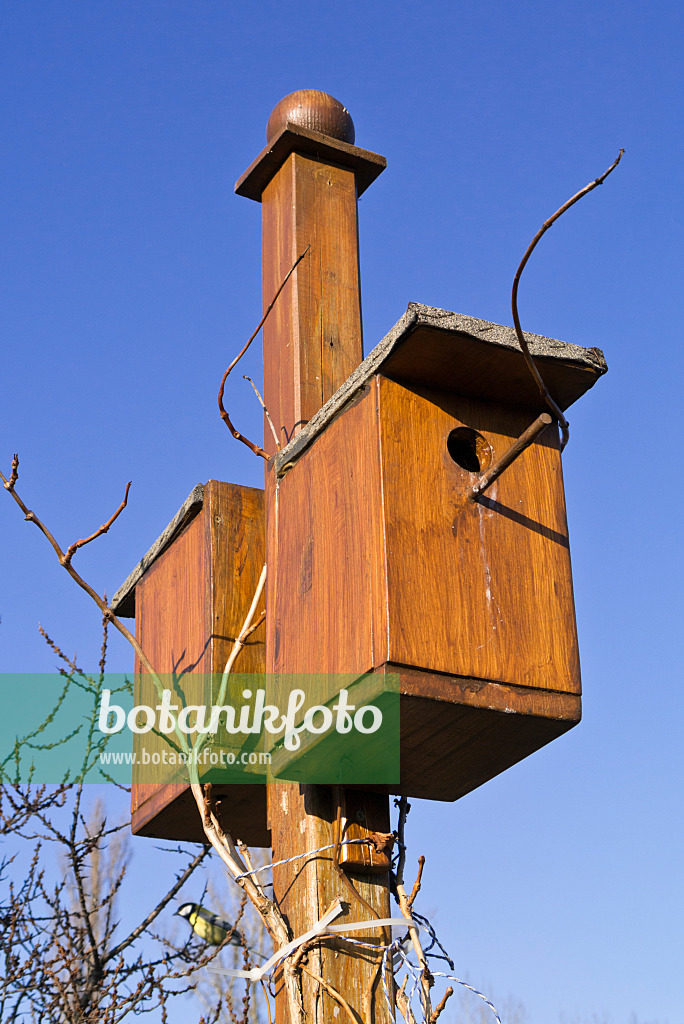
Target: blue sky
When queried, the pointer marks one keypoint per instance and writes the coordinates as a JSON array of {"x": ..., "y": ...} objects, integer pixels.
[{"x": 131, "y": 275}]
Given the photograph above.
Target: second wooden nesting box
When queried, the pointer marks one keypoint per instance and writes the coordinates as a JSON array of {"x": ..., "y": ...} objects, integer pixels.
[
  {"x": 380, "y": 561},
  {"x": 189, "y": 595}
]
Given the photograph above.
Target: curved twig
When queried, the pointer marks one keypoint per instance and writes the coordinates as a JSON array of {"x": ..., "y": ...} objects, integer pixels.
[
  {"x": 224, "y": 415},
  {"x": 73, "y": 548},
  {"x": 332, "y": 992},
  {"x": 531, "y": 365},
  {"x": 248, "y": 627},
  {"x": 263, "y": 406},
  {"x": 268, "y": 1005}
]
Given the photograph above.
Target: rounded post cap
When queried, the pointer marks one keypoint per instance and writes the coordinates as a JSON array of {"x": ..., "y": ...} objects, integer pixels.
[{"x": 315, "y": 110}]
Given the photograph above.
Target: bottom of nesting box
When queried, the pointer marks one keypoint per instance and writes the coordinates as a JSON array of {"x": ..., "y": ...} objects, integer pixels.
[
  {"x": 170, "y": 812},
  {"x": 456, "y": 734}
]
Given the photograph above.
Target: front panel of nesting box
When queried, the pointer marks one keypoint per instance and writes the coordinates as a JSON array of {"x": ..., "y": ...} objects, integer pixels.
[
  {"x": 381, "y": 563},
  {"x": 190, "y": 595}
]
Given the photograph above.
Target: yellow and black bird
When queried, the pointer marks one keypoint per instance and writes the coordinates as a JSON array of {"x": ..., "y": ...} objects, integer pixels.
[{"x": 211, "y": 928}]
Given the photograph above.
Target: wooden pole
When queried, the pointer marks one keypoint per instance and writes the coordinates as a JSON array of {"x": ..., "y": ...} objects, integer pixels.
[{"x": 308, "y": 179}]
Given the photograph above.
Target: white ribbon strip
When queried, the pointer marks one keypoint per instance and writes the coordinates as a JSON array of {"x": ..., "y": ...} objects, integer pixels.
[
  {"x": 257, "y": 973},
  {"x": 321, "y": 927},
  {"x": 383, "y": 922}
]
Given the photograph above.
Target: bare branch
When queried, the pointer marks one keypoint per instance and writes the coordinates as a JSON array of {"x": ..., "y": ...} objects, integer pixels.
[
  {"x": 403, "y": 1003},
  {"x": 333, "y": 993},
  {"x": 224, "y": 415},
  {"x": 416, "y": 884},
  {"x": 164, "y": 902},
  {"x": 73, "y": 548},
  {"x": 442, "y": 1003},
  {"x": 404, "y": 808},
  {"x": 14, "y": 475},
  {"x": 71, "y": 662},
  {"x": 531, "y": 365},
  {"x": 103, "y": 648},
  {"x": 405, "y": 905},
  {"x": 101, "y": 603},
  {"x": 217, "y": 837},
  {"x": 245, "y": 632},
  {"x": 57, "y": 960},
  {"x": 266, "y": 412}
]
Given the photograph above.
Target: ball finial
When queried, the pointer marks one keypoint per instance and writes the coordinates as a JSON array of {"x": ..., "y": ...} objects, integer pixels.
[{"x": 315, "y": 110}]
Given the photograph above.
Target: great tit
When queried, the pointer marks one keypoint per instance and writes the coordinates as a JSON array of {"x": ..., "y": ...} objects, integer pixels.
[{"x": 211, "y": 928}]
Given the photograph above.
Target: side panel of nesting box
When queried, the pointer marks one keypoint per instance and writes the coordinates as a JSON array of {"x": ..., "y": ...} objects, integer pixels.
[
  {"x": 394, "y": 569},
  {"x": 189, "y": 607}
]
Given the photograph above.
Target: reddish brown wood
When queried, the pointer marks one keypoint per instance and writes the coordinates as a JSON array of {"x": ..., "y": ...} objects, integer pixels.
[
  {"x": 312, "y": 340},
  {"x": 379, "y": 558},
  {"x": 190, "y": 606},
  {"x": 359, "y": 854},
  {"x": 294, "y": 138},
  {"x": 466, "y": 732},
  {"x": 479, "y": 589},
  {"x": 328, "y": 565},
  {"x": 302, "y": 818},
  {"x": 315, "y": 110},
  {"x": 393, "y": 565}
]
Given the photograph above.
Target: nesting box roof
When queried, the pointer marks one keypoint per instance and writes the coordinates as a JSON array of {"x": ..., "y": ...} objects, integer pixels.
[
  {"x": 123, "y": 602},
  {"x": 434, "y": 348}
]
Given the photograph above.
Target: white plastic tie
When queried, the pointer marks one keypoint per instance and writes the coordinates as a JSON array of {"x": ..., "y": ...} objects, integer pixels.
[
  {"x": 383, "y": 922},
  {"x": 257, "y": 973},
  {"x": 322, "y": 927}
]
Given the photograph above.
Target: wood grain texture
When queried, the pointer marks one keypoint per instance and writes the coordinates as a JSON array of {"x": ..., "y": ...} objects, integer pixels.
[
  {"x": 296, "y": 138},
  {"x": 358, "y": 807},
  {"x": 321, "y": 549},
  {"x": 190, "y": 606},
  {"x": 464, "y": 746},
  {"x": 312, "y": 339},
  {"x": 314, "y": 110},
  {"x": 312, "y": 342},
  {"x": 302, "y": 819},
  {"x": 479, "y": 589},
  {"x": 472, "y": 729},
  {"x": 301, "y": 816},
  {"x": 392, "y": 566}
]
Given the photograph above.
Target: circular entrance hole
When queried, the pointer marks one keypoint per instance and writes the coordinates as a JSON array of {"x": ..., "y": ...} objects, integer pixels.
[{"x": 469, "y": 450}]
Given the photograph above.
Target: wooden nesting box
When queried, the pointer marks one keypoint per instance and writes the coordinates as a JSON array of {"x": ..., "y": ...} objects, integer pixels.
[
  {"x": 189, "y": 595},
  {"x": 380, "y": 561}
]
